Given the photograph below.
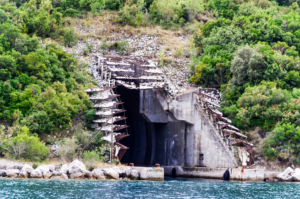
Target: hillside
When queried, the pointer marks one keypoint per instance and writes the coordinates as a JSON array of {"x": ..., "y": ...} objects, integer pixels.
[{"x": 249, "y": 50}]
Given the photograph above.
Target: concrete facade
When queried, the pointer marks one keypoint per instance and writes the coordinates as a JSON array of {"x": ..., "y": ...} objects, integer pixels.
[
  {"x": 167, "y": 125},
  {"x": 172, "y": 134}
]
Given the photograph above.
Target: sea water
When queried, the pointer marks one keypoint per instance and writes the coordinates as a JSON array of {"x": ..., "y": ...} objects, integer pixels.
[{"x": 170, "y": 188}]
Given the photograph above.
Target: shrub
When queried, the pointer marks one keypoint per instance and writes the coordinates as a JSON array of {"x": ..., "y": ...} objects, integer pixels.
[
  {"x": 283, "y": 142},
  {"x": 70, "y": 38},
  {"x": 67, "y": 149},
  {"x": 25, "y": 146},
  {"x": 121, "y": 46},
  {"x": 90, "y": 159}
]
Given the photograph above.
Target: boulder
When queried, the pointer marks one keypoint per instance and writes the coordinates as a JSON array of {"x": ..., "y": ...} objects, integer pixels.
[
  {"x": 12, "y": 173},
  {"x": 111, "y": 173},
  {"x": 120, "y": 171},
  {"x": 44, "y": 168},
  {"x": 286, "y": 175},
  {"x": 47, "y": 174},
  {"x": 98, "y": 174},
  {"x": 60, "y": 177},
  {"x": 296, "y": 175},
  {"x": 17, "y": 167},
  {"x": 64, "y": 169},
  {"x": 56, "y": 173},
  {"x": 132, "y": 174},
  {"x": 76, "y": 166},
  {"x": 36, "y": 174},
  {"x": 78, "y": 175},
  {"x": 27, "y": 168},
  {"x": 23, "y": 174},
  {"x": 88, "y": 175},
  {"x": 57, "y": 177},
  {"x": 2, "y": 173},
  {"x": 64, "y": 176}
]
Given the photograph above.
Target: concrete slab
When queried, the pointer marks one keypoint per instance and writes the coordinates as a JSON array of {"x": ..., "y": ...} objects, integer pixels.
[
  {"x": 151, "y": 173},
  {"x": 217, "y": 173}
]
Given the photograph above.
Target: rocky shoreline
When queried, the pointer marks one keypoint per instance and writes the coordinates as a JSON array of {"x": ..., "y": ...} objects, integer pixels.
[{"x": 75, "y": 170}]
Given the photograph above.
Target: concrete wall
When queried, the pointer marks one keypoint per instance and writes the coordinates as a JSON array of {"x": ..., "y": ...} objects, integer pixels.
[
  {"x": 201, "y": 138},
  {"x": 174, "y": 137},
  {"x": 217, "y": 173}
]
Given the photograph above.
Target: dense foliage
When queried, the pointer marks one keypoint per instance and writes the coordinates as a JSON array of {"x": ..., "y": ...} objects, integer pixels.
[
  {"x": 250, "y": 51},
  {"x": 41, "y": 86},
  {"x": 247, "y": 49}
]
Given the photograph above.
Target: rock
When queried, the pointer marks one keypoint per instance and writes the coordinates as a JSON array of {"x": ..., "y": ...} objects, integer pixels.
[
  {"x": 88, "y": 175},
  {"x": 2, "y": 173},
  {"x": 27, "y": 168},
  {"x": 60, "y": 177},
  {"x": 120, "y": 171},
  {"x": 12, "y": 173},
  {"x": 286, "y": 175},
  {"x": 98, "y": 174},
  {"x": 78, "y": 175},
  {"x": 65, "y": 176},
  {"x": 76, "y": 166},
  {"x": 36, "y": 174},
  {"x": 18, "y": 167},
  {"x": 296, "y": 175},
  {"x": 132, "y": 174},
  {"x": 23, "y": 174},
  {"x": 57, "y": 177},
  {"x": 56, "y": 173},
  {"x": 111, "y": 173},
  {"x": 51, "y": 168},
  {"x": 47, "y": 174},
  {"x": 64, "y": 169},
  {"x": 44, "y": 168}
]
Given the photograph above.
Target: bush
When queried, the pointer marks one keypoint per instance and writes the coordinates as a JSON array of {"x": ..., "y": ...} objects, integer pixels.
[
  {"x": 122, "y": 46},
  {"x": 25, "y": 146},
  {"x": 283, "y": 143},
  {"x": 70, "y": 38},
  {"x": 67, "y": 149},
  {"x": 90, "y": 159}
]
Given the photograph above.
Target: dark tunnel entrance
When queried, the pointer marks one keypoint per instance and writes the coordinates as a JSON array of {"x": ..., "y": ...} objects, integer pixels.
[{"x": 142, "y": 136}]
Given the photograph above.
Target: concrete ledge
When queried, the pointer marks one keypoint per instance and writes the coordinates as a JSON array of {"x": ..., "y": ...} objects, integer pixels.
[
  {"x": 151, "y": 173},
  {"x": 216, "y": 173}
]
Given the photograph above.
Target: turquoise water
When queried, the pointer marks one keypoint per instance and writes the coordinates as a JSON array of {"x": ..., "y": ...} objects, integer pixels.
[{"x": 170, "y": 188}]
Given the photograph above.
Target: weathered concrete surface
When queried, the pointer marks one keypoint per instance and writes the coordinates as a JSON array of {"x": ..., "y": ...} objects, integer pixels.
[
  {"x": 217, "y": 173},
  {"x": 175, "y": 137},
  {"x": 151, "y": 173}
]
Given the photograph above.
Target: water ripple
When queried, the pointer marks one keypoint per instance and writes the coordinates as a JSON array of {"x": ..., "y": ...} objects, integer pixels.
[{"x": 170, "y": 188}]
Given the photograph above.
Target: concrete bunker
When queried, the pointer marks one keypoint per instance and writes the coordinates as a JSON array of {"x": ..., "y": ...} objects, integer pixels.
[{"x": 167, "y": 126}]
